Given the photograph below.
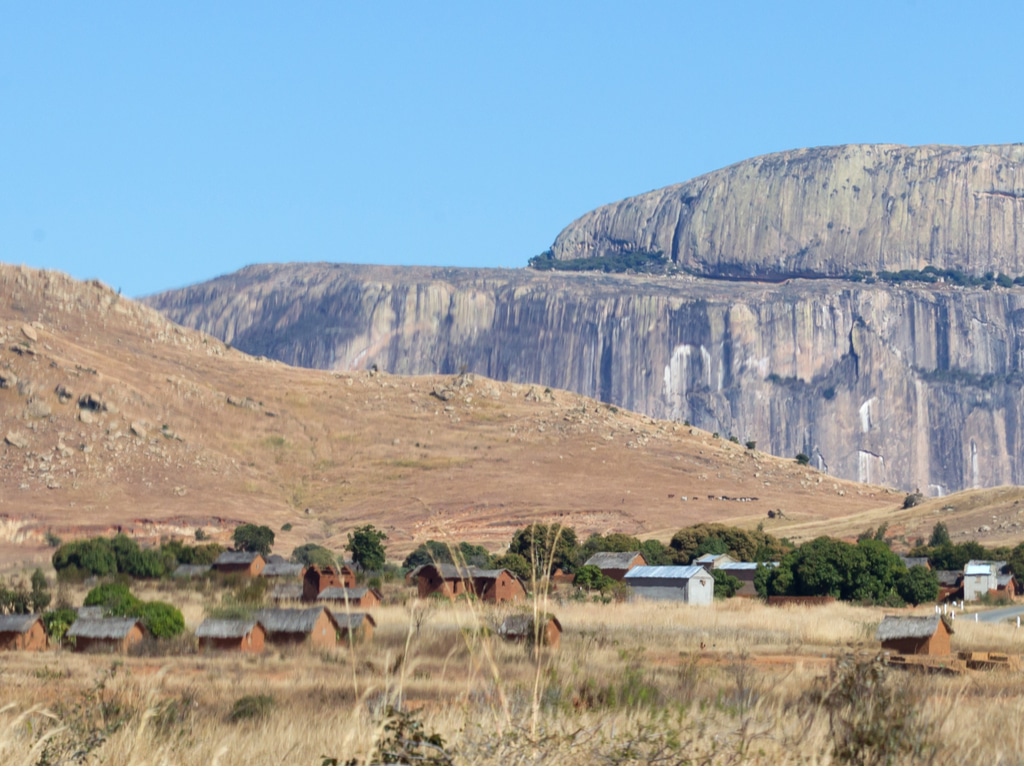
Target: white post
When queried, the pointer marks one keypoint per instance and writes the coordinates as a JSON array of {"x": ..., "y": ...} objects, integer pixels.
[
  {"x": 952, "y": 615},
  {"x": 961, "y": 605},
  {"x": 975, "y": 618},
  {"x": 1018, "y": 622}
]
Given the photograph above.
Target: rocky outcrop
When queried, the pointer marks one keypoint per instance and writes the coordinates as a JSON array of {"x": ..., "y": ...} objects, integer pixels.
[
  {"x": 915, "y": 386},
  {"x": 826, "y": 211}
]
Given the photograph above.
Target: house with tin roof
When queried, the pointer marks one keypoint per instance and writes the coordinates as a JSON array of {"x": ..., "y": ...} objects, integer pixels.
[
  {"x": 689, "y": 584},
  {"x": 987, "y": 577},
  {"x": 614, "y": 565},
  {"x": 22, "y": 632}
]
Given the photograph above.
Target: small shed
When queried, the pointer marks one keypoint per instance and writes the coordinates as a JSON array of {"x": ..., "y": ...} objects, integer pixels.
[
  {"x": 22, "y": 632},
  {"x": 614, "y": 565},
  {"x": 110, "y": 635},
  {"x": 354, "y": 627},
  {"x": 296, "y": 626},
  {"x": 245, "y": 563},
  {"x": 522, "y": 628},
  {"x": 920, "y": 635},
  {"x": 317, "y": 578},
  {"x": 245, "y": 635},
  {"x": 689, "y": 584},
  {"x": 357, "y": 597}
]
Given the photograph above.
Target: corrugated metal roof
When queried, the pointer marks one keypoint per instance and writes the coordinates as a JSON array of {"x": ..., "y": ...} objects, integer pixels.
[
  {"x": 224, "y": 629},
  {"x": 236, "y": 558},
  {"x": 746, "y": 566},
  {"x": 983, "y": 567},
  {"x": 710, "y": 559},
  {"x": 612, "y": 560},
  {"x": 665, "y": 572},
  {"x": 289, "y": 620},
  {"x": 18, "y": 622},
  {"x": 351, "y": 621},
  {"x": 899, "y": 627},
  {"x": 116, "y": 628}
]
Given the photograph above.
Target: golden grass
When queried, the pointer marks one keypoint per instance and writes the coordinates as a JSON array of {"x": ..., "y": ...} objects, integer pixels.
[{"x": 629, "y": 684}]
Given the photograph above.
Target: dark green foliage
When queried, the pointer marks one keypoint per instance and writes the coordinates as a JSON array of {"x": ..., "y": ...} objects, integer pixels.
[
  {"x": 201, "y": 535},
  {"x": 751, "y": 445},
  {"x": 40, "y": 594},
  {"x": 547, "y": 547},
  {"x": 441, "y": 552},
  {"x": 953, "y": 557},
  {"x": 405, "y": 742},
  {"x": 656, "y": 553},
  {"x": 286, "y": 527},
  {"x": 253, "y": 707},
  {"x": 88, "y": 556},
  {"x": 912, "y": 499},
  {"x": 313, "y": 554},
  {"x": 162, "y": 619},
  {"x": 716, "y": 538},
  {"x": 875, "y": 719},
  {"x": 802, "y": 459},
  {"x": 645, "y": 262},
  {"x": 517, "y": 564},
  {"x": 52, "y": 539},
  {"x": 14, "y": 598},
  {"x": 57, "y": 622},
  {"x": 1015, "y": 561},
  {"x": 115, "y": 598},
  {"x": 918, "y": 585},
  {"x": 367, "y": 547},
  {"x": 590, "y": 578},
  {"x": 868, "y": 572},
  {"x": 940, "y": 536},
  {"x": 201, "y": 554},
  {"x": 253, "y": 538},
  {"x": 726, "y": 585},
  {"x": 613, "y": 542}
]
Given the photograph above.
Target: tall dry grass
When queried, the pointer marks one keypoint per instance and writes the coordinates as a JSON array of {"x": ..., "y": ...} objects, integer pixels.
[{"x": 629, "y": 684}]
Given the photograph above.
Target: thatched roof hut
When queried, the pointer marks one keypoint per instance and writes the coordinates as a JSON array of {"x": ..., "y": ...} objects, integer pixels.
[
  {"x": 522, "y": 628},
  {"x": 22, "y": 632},
  {"x": 246, "y": 635},
  {"x": 110, "y": 634},
  {"x": 908, "y": 635}
]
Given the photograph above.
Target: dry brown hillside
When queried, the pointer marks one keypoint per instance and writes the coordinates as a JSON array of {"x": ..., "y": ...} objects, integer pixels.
[{"x": 112, "y": 417}]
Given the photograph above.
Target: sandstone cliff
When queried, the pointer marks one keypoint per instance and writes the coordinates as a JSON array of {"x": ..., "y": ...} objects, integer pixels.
[
  {"x": 827, "y": 211},
  {"x": 914, "y": 386}
]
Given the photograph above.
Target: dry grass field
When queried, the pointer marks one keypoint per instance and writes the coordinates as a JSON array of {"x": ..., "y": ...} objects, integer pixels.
[{"x": 630, "y": 683}]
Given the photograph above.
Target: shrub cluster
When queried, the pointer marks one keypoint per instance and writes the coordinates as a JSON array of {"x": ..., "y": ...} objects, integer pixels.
[{"x": 120, "y": 554}]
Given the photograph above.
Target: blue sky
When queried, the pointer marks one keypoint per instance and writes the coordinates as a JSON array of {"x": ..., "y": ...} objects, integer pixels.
[{"x": 153, "y": 145}]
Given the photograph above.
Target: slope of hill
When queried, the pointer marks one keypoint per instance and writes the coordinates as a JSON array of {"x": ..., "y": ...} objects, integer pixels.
[{"x": 113, "y": 418}]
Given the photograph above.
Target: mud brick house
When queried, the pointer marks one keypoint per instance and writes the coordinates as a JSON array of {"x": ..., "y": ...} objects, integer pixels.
[
  {"x": 111, "y": 635},
  {"x": 614, "y": 565},
  {"x": 356, "y": 597},
  {"x": 915, "y": 635},
  {"x": 493, "y": 586},
  {"x": 22, "y": 632},
  {"x": 689, "y": 584},
  {"x": 279, "y": 568},
  {"x": 298, "y": 626},
  {"x": 950, "y": 585},
  {"x": 317, "y": 578},
  {"x": 244, "y": 635},
  {"x": 354, "y": 627},
  {"x": 244, "y": 563},
  {"x": 523, "y": 629}
]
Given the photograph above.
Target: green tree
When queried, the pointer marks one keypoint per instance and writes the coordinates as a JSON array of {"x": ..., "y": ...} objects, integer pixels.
[
  {"x": 517, "y": 564},
  {"x": 313, "y": 554},
  {"x": 590, "y": 578},
  {"x": 918, "y": 585},
  {"x": 253, "y": 538},
  {"x": 40, "y": 594},
  {"x": 547, "y": 547},
  {"x": 115, "y": 598},
  {"x": 162, "y": 619},
  {"x": 89, "y": 556},
  {"x": 366, "y": 544},
  {"x": 440, "y": 552},
  {"x": 656, "y": 553},
  {"x": 726, "y": 585},
  {"x": 940, "y": 536},
  {"x": 58, "y": 622}
]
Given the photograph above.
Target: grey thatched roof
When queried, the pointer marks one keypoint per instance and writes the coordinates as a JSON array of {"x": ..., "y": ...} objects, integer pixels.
[
  {"x": 236, "y": 558},
  {"x": 18, "y": 622},
  {"x": 286, "y": 592},
  {"x": 948, "y": 578},
  {"x": 190, "y": 571},
  {"x": 340, "y": 593},
  {"x": 607, "y": 561},
  {"x": 223, "y": 629},
  {"x": 282, "y": 568},
  {"x": 351, "y": 621},
  {"x": 102, "y": 629},
  {"x": 289, "y": 620},
  {"x": 899, "y": 627}
]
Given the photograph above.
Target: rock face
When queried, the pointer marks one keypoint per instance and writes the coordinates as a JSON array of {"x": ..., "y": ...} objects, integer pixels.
[
  {"x": 918, "y": 386},
  {"x": 826, "y": 211}
]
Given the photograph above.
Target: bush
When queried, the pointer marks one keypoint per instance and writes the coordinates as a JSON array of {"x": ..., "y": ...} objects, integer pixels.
[
  {"x": 802, "y": 459},
  {"x": 254, "y": 707},
  {"x": 162, "y": 619},
  {"x": 56, "y": 623},
  {"x": 912, "y": 499},
  {"x": 751, "y": 445},
  {"x": 253, "y": 538},
  {"x": 313, "y": 554}
]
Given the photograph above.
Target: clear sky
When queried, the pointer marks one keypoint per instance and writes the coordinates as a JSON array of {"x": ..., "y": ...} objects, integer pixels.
[{"x": 158, "y": 144}]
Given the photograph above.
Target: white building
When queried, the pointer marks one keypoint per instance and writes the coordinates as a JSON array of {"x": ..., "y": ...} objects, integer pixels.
[{"x": 689, "y": 584}]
